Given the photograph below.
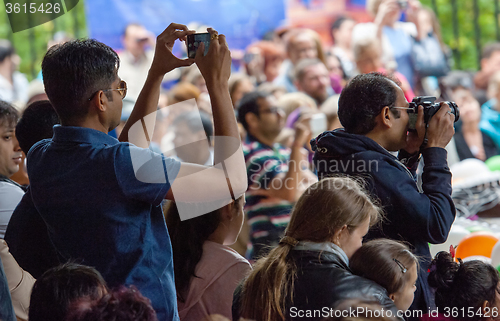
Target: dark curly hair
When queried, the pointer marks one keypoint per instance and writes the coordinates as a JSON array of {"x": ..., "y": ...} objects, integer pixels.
[
  {"x": 74, "y": 71},
  {"x": 362, "y": 100},
  {"x": 463, "y": 284},
  {"x": 122, "y": 304}
]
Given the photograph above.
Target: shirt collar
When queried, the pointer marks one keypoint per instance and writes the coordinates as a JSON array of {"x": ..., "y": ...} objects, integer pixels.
[
  {"x": 323, "y": 247},
  {"x": 81, "y": 135}
]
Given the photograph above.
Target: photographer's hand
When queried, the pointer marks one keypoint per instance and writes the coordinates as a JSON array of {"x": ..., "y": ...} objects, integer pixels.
[
  {"x": 385, "y": 12},
  {"x": 440, "y": 129},
  {"x": 164, "y": 60},
  {"x": 216, "y": 65},
  {"x": 415, "y": 138}
]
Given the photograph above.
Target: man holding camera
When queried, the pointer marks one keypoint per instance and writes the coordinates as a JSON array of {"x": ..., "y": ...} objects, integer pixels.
[{"x": 375, "y": 116}]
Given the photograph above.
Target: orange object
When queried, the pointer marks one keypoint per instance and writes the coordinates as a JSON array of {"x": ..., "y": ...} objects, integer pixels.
[{"x": 477, "y": 243}]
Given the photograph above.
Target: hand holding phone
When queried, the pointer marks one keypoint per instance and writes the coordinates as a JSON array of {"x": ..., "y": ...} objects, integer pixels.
[{"x": 193, "y": 42}]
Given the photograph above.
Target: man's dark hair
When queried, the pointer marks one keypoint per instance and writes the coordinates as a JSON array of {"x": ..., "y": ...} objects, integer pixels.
[
  {"x": 8, "y": 114},
  {"x": 249, "y": 104},
  {"x": 338, "y": 22},
  {"x": 191, "y": 120},
  {"x": 36, "y": 124},
  {"x": 489, "y": 49},
  {"x": 76, "y": 70},
  {"x": 58, "y": 287},
  {"x": 362, "y": 100},
  {"x": 6, "y": 49}
]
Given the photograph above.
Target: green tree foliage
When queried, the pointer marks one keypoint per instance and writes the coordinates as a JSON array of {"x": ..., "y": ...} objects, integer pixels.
[
  {"x": 31, "y": 44},
  {"x": 464, "y": 47}
]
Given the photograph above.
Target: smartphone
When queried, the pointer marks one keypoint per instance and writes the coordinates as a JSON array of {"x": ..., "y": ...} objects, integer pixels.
[
  {"x": 317, "y": 124},
  {"x": 248, "y": 57},
  {"x": 193, "y": 42},
  {"x": 403, "y": 4}
]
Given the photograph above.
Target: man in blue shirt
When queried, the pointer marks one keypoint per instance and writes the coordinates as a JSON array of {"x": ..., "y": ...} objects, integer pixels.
[{"x": 99, "y": 207}]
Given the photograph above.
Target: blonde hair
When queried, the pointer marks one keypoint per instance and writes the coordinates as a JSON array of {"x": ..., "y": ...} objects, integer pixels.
[
  {"x": 364, "y": 45},
  {"x": 291, "y": 101},
  {"x": 323, "y": 209},
  {"x": 294, "y": 33},
  {"x": 330, "y": 108}
]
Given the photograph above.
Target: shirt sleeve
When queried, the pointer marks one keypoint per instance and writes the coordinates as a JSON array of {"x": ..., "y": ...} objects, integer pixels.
[{"x": 143, "y": 174}]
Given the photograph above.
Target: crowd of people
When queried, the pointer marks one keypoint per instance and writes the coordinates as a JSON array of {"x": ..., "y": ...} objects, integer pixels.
[{"x": 283, "y": 185}]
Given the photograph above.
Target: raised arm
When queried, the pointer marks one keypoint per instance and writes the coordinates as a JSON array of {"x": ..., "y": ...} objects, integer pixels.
[
  {"x": 228, "y": 176},
  {"x": 163, "y": 62}
]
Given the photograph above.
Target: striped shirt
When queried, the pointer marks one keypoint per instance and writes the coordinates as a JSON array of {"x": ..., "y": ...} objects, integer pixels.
[{"x": 267, "y": 216}]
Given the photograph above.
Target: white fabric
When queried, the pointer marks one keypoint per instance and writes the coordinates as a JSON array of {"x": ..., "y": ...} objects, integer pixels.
[
  {"x": 10, "y": 196},
  {"x": 17, "y": 93}
]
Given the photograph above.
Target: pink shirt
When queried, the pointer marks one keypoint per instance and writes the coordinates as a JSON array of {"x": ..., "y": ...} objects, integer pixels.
[{"x": 219, "y": 272}]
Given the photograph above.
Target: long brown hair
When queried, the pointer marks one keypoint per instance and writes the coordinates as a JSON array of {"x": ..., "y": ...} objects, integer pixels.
[{"x": 323, "y": 209}]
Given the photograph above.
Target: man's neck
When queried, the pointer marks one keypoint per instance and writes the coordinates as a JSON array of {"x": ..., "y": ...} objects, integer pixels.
[
  {"x": 380, "y": 139},
  {"x": 138, "y": 57},
  {"x": 263, "y": 139},
  {"x": 87, "y": 123}
]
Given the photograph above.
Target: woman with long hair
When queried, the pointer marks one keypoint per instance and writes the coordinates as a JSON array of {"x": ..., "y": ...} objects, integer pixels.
[
  {"x": 309, "y": 270},
  {"x": 206, "y": 270}
]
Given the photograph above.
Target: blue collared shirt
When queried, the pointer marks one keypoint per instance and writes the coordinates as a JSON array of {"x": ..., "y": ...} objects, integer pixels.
[{"x": 84, "y": 185}]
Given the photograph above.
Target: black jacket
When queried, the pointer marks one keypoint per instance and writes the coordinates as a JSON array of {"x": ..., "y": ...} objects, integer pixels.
[
  {"x": 323, "y": 281},
  {"x": 417, "y": 217}
]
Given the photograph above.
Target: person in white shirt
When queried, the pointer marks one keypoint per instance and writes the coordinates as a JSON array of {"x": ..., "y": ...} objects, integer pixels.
[{"x": 10, "y": 158}]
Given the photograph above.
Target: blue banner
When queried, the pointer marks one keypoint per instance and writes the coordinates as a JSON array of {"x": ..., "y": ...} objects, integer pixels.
[{"x": 242, "y": 21}]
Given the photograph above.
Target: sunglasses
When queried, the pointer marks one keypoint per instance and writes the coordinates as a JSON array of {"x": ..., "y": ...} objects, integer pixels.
[{"x": 122, "y": 89}]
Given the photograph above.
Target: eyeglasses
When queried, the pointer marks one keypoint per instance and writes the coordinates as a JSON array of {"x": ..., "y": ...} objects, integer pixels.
[
  {"x": 122, "y": 89},
  {"x": 407, "y": 108},
  {"x": 272, "y": 110}
]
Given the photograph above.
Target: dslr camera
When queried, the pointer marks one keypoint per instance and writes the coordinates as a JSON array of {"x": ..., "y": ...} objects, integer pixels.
[
  {"x": 403, "y": 4},
  {"x": 430, "y": 109}
]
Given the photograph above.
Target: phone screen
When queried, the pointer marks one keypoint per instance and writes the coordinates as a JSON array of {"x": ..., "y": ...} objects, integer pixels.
[
  {"x": 318, "y": 124},
  {"x": 194, "y": 40}
]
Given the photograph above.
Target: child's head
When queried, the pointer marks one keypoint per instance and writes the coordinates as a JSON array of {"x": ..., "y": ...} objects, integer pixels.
[
  {"x": 10, "y": 152},
  {"x": 464, "y": 285},
  {"x": 368, "y": 55},
  {"x": 390, "y": 264},
  {"x": 222, "y": 226}
]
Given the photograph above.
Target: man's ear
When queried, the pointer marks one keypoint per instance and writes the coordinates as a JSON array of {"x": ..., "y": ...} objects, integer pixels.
[
  {"x": 252, "y": 119},
  {"x": 297, "y": 85},
  {"x": 392, "y": 296},
  {"x": 100, "y": 101},
  {"x": 385, "y": 117},
  {"x": 226, "y": 213}
]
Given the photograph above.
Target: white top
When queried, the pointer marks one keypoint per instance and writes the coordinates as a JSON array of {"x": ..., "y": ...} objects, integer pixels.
[
  {"x": 10, "y": 196},
  {"x": 17, "y": 93}
]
